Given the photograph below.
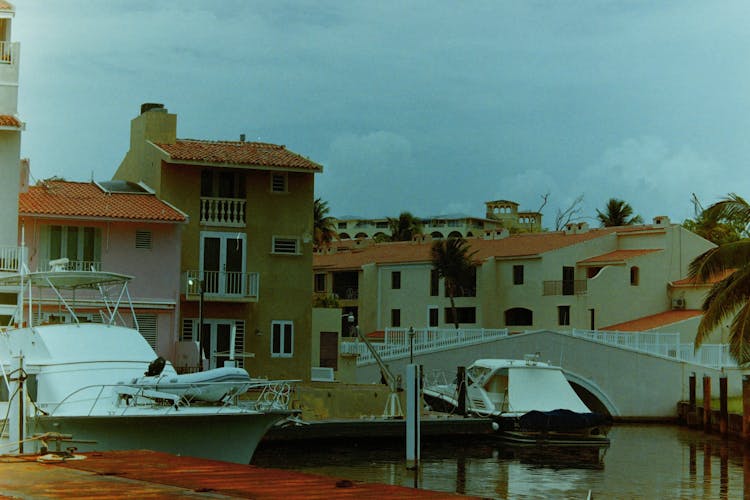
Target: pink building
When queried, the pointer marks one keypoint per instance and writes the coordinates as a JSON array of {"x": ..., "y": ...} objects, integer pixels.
[{"x": 112, "y": 226}]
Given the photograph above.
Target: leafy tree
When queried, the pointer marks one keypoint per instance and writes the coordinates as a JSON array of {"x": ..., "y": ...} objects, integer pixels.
[
  {"x": 729, "y": 297},
  {"x": 617, "y": 213},
  {"x": 323, "y": 226},
  {"x": 719, "y": 223},
  {"x": 452, "y": 260},
  {"x": 404, "y": 228}
]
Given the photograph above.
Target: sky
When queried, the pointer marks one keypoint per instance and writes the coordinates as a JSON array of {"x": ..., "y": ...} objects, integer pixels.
[{"x": 426, "y": 106}]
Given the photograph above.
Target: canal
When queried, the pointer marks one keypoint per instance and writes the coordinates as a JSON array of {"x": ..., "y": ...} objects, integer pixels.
[{"x": 643, "y": 461}]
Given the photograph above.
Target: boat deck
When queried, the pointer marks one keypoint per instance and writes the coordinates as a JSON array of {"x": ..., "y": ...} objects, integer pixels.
[{"x": 147, "y": 474}]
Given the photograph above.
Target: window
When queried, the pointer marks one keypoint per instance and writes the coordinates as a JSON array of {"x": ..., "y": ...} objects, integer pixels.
[
  {"x": 519, "y": 316},
  {"x": 467, "y": 287},
  {"x": 282, "y": 339},
  {"x": 432, "y": 313},
  {"x": 396, "y": 280},
  {"x": 568, "y": 280},
  {"x": 634, "y": 276},
  {"x": 518, "y": 275},
  {"x": 80, "y": 245},
  {"x": 285, "y": 245},
  {"x": 279, "y": 183},
  {"x": 222, "y": 260},
  {"x": 342, "y": 225},
  {"x": 464, "y": 314},
  {"x": 563, "y": 315},
  {"x": 434, "y": 283},
  {"x": 219, "y": 183},
  {"x": 147, "y": 327},
  {"x": 395, "y": 317},
  {"x": 320, "y": 282},
  {"x": 143, "y": 239}
]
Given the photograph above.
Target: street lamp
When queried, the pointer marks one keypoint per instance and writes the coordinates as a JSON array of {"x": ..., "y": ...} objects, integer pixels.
[
  {"x": 196, "y": 282},
  {"x": 350, "y": 319}
]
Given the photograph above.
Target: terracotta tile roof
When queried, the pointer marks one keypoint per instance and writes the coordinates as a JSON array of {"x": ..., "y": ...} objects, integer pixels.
[
  {"x": 6, "y": 6},
  {"x": 514, "y": 246},
  {"x": 9, "y": 120},
  {"x": 237, "y": 153},
  {"x": 86, "y": 199},
  {"x": 655, "y": 321},
  {"x": 618, "y": 256},
  {"x": 691, "y": 282}
]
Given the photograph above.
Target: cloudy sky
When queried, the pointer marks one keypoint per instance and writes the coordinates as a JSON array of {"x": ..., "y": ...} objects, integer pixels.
[{"x": 428, "y": 106}]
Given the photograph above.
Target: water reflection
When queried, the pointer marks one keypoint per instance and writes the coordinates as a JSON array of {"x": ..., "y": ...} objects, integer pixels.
[{"x": 641, "y": 462}]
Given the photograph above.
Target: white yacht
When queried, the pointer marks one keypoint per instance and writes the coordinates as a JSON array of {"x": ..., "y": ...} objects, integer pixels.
[
  {"x": 102, "y": 387},
  {"x": 528, "y": 401}
]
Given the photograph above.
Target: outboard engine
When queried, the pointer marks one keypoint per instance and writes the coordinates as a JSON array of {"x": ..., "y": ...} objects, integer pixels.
[{"x": 156, "y": 367}]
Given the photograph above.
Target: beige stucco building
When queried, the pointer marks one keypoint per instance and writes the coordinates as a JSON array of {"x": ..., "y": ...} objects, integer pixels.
[
  {"x": 247, "y": 249},
  {"x": 578, "y": 278}
]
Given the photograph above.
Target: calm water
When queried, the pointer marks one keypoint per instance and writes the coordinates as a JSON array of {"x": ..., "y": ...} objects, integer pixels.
[{"x": 643, "y": 461}]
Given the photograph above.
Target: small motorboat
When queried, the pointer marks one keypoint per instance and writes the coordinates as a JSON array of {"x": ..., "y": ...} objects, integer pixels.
[{"x": 528, "y": 401}]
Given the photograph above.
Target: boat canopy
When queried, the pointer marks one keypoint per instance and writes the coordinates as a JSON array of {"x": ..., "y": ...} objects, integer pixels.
[
  {"x": 66, "y": 280},
  {"x": 543, "y": 389}
]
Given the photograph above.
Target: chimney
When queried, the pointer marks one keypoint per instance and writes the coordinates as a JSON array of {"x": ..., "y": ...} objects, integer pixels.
[
  {"x": 154, "y": 124},
  {"x": 25, "y": 168},
  {"x": 661, "y": 220},
  {"x": 148, "y": 106},
  {"x": 242, "y": 137}
]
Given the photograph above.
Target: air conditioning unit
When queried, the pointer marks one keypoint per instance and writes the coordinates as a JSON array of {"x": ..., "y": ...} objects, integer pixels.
[{"x": 678, "y": 303}]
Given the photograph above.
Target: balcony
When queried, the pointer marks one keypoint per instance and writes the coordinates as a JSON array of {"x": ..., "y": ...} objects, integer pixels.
[
  {"x": 223, "y": 212},
  {"x": 11, "y": 258},
  {"x": 222, "y": 285},
  {"x": 564, "y": 287}
]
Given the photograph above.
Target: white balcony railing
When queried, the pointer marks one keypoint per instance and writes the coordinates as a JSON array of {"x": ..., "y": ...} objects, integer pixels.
[
  {"x": 10, "y": 258},
  {"x": 6, "y": 52},
  {"x": 226, "y": 284},
  {"x": 226, "y": 212}
]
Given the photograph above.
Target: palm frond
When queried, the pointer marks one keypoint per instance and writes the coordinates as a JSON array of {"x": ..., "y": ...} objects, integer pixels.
[
  {"x": 718, "y": 260},
  {"x": 722, "y": 301},
  {"x": 739, "y": 336}
]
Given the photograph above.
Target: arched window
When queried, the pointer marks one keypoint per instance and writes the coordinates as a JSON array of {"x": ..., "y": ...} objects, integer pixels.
[
  {"x": 519, "y": 316},
  {"x": 344, "y": 236},
  {"x": 436, "y": 235},
  {"x": 454, "y": 234}
]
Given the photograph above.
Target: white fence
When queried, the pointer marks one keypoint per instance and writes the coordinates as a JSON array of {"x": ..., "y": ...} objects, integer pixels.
[
  {"x": 398, "y": 344},
  {"x": 663, "y": 344}
]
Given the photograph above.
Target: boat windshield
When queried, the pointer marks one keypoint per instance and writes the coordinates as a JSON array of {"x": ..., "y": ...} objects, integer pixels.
[{"x": 476, "y": 373}]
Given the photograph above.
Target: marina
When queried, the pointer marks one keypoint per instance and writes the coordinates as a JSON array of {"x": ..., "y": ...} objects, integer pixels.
[{"x": 642, "y": 461}]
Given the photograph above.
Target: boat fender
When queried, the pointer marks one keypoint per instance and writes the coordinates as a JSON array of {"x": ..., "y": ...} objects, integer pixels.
[
  {"x": 495, "y": 426},
  {"x": 156, "y": 367}
]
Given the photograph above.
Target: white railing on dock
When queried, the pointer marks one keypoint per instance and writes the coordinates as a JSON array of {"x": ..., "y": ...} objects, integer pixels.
[
  {"x": 396, "y": 342},
  {"x": 663, "y": 344}
]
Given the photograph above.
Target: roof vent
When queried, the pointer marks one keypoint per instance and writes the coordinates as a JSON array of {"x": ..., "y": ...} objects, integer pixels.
[
  {"x": 148, "y": 106},
  {"x": 242, "y": 137},
  {"x": 576, "y": 227},
  {"x": 661, "y": 220}
]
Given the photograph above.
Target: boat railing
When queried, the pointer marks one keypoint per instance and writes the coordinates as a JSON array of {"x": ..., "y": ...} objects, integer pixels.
[
  {"x": 400, "y": 343},
  {"x": 274, "y": 394}
]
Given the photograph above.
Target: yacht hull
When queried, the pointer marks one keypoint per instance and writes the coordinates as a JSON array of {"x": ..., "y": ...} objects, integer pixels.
[{"x": 229, "y": 437}]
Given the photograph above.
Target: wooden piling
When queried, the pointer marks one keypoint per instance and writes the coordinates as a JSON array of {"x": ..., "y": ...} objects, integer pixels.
[
  {"x": 461, "y": 382},
  {"x": 692, "y": 391},
  {"x": 746, "y": 406},
  {"x": 706, "y": 403},
  {"x": 723, "y": 406}
]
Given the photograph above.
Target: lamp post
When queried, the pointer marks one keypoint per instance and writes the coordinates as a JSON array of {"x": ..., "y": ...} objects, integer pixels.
[{"x": 411, "y": 345}]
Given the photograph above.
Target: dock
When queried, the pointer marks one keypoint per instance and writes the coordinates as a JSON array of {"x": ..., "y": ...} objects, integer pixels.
[
  {"x": 379, "y": 428},
  {"x": 148, "y": 474}
]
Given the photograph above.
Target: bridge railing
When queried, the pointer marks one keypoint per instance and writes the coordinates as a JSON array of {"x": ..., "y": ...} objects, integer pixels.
[
  {"x": 396, "y": 342},
  {"x": 664, "y": 344}
]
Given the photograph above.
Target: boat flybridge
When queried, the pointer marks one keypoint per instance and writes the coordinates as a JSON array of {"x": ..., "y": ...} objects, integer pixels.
[
  {"x": 102, "y": 387},
  {"x": 528, "y": 401}
]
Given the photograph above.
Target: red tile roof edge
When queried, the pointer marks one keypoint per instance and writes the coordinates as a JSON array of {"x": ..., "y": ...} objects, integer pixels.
[{"x": 653, "y": 321}]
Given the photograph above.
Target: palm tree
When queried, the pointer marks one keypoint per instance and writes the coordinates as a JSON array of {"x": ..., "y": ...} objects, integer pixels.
[
  {"x": 405, "y": 227},
  {"x": 714, "y": 224},
  {"x": 617, "y": 213},
  {"x": 451, "y": 260},
  {"x": 729, "y": 297},
  {"x": 323, "y": 225}
]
